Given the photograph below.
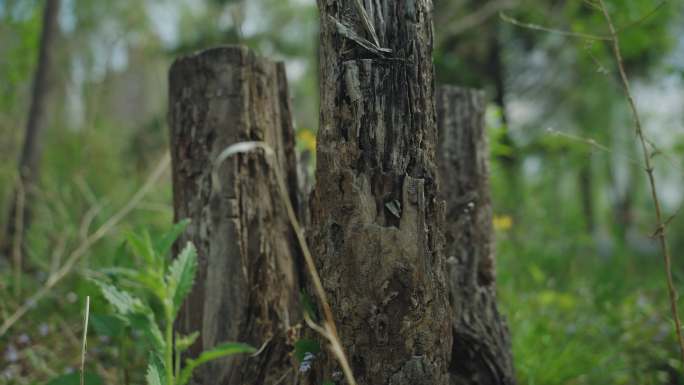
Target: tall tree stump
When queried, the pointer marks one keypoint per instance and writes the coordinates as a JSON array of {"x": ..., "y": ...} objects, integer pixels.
[
  {"x": 375, "y": 214},
  {"x": 481, "y": 353},
  {"x": 248, "y": 283}
]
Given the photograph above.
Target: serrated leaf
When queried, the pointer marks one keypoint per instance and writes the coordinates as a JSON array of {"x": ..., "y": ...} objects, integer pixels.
[
  {"x": 155, "y": 373},
  {"x": 139, "y": 278},
  {"x": 142, "y": 247},
  {"x": 163, "y": 245},
  {"x": 107, "y": 325},
  {"x": 223, "y": 350},
  {"x": 147, "y": 324},
  {"x": 124, "y": 303},
  {"x": 184, "y": 342},
  {"x": 181, "y": 276}
]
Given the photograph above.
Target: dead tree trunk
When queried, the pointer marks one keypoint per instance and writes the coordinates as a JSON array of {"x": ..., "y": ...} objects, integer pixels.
[
  {"x": 19, "y": 212},
  {"x": 247, "y": 286},
  {"x": 481, "y": 353},
  {"x": 375, "y": 214}
]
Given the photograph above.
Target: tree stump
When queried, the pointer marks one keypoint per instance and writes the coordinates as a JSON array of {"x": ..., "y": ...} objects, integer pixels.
[
  {"x": 481, "y": 353},
  {"x": 376, "y": 218},
  {"x": 248, "y": 281}
]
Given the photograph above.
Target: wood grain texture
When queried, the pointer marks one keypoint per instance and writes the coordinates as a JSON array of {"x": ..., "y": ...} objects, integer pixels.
[{"x": 248, "y": 284}]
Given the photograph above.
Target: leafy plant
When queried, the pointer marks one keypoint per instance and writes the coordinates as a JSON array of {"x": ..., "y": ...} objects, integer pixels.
[{"x": 150, "y": 303}]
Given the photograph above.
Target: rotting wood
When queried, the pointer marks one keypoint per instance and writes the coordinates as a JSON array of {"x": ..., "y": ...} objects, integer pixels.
[
  {"x": 248, "y": 282},
  {"x": 376, "y": 218},
  {"x": 481, "y": 353}
]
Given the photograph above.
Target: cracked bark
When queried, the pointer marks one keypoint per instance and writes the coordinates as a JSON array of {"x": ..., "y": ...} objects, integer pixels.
[
  {"x": 247, "y": 286},
  {"x": 376, "y": 218},
  {"x": 481, "y": 353}
]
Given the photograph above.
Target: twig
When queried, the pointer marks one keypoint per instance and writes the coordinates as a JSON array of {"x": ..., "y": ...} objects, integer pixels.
[
  {"x": 81, "y": 250},
  {"x": 329, "y": 331},
  {"x": 662, "y": 231},
  {"x": 478, "y": 17},
  {"x": 537, "y": 27},
  {"x": 592, "y": 143},
  {"x": 85, "y": 339},
  {"x": 643, "y": 18}
]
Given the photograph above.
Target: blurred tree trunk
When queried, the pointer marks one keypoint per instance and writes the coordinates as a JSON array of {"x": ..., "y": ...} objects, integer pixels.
[
  {"x": 481, "y": 352},
  {"x": 586, "y": 188},
  {"x": 248, "y": 283},
  {"x": 19, "y": 216},
  {"x": 376, "y": 219}
]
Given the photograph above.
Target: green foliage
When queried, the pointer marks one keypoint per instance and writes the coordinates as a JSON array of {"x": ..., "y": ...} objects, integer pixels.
[
  {"x": 75, "y": 379},
  {"x": 156, "y": 285}
]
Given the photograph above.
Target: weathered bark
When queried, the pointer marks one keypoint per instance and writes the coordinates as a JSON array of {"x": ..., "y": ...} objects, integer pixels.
[
  {"x": 29, "y": 158},
  {"x": 481, "y": 353},
  {"x": 375, "y": 214},
  {"x": 247, "y": 285}
]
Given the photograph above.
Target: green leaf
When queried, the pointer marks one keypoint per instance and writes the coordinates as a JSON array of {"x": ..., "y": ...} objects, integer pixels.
[
  {"x": 124, "y": 303},
  {"x": 223, "y": 350},
  {"x": 181, "y": 276},
  {"x": 142, "y": 247},
  {"x": 184, "y": 342},
  {"x": 147, "y": 324},
  {"x": 107, "y": 325},
  {"x": 140, "y": 278},
  {"x": 308, "y": 305},
  {"x": 155, "y": 371},
  {"x": 163, "y": 245},
  {"x": 75, "y": 379},
  {"x": 304, "y": 346}
]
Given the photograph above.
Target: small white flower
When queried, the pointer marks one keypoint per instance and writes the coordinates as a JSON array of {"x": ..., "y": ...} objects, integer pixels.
[
  {"x": 11, "y": 354},
  {"x": 43, "y": 329},
  {"x": 24, "y": 339}
]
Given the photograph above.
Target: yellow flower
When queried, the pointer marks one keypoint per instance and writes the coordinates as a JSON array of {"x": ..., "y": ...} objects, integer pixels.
[
  {"x": 306, "y": 139},
  {"x": 503, "y": 222}
]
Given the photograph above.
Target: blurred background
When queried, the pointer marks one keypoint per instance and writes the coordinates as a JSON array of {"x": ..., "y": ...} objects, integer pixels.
[{"x": 580, "y": 277}]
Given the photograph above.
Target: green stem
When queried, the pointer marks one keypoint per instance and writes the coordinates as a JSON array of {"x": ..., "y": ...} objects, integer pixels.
[
  {"x": 178, "y": 359},
  {"x": 169, "y": 343}
]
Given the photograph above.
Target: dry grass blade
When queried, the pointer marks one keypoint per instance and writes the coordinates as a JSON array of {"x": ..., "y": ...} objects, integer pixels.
[
  {"x": 661, "y": 230},
  {"x": 81, "y": 250},
  {"x": 85, "y": 339},
  {"x": 329, "y": 330}
]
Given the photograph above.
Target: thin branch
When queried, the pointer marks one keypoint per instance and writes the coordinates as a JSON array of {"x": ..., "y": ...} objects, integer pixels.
[
  {"x": 81, "y": 250},
  {"x": 643, "y": 18},
  {"x": 662, "y": 231},
  {"x": 478, "y": 17},
  {"x": 592, "y": 143},
  {"x": 537, "y": 27}
]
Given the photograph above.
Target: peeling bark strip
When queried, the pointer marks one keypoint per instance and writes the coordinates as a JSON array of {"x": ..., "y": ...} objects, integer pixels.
[
  {"x": 247, "y": 286},
  {"x": 481, "y": 353},
  {"x": 375, "y": 214}
]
